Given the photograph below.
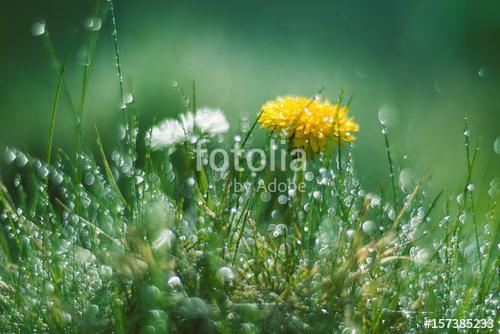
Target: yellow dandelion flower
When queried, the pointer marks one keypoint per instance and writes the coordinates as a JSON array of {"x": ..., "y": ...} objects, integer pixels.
[{"x": 308, "y": 123}]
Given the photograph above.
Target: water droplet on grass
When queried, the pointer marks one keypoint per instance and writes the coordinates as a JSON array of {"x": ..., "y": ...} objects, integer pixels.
[
  {"x": 421, "y": 256},
  {"x": 89, "y": 179},
  {"x": 57, "y": 179},
  {"x": 128, "y": 98},
  {"x": 496, "y": 145},
  {"x": 42, "y": 172},
  {"x": 225, "y": 275},
  {"x": 38, "y": 28},
  {"x": 279, "y": 230},
  {"x": 309, "y": 176},
  {"x": 174, "y": 281},
  {"x": 21, "y": 160},
  {"x": 282, "y": 199},
  {"x": 9, "y": 156},
  {"x": 93, "y": 23},
  {"x": 483, "y": 72},
  {"x": 406, "y": 179},
  {"x": 368, "y": 227}
]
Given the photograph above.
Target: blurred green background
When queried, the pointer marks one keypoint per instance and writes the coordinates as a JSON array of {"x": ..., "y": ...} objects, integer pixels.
[{"x": 424, "y": 63}]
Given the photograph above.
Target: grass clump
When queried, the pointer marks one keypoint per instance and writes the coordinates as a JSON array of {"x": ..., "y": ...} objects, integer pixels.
[{"x": 141, "y": 240}]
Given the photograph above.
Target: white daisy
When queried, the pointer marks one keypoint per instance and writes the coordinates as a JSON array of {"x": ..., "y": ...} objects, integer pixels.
[
  {"x": 167, "y": 133},
  {"x": 211, "y": 121}
]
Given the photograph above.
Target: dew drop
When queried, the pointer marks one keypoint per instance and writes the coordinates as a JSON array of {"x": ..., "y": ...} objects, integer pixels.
[
  {"x": 368, "y": 226},
  {"x": 89, "y": 179},
  {"x": 57, "y": 179},
  {"x": 496, "y": 145},
  {"x": 225, "y": 275},
  {"x": 282, "y": 199},
  {"x": 309, "y": 176},
  {"x": 21, "y": 160},
  {"x": 483, "y": 72},
  {"x": 128, "y": 98},
  {"x": 9, "y": 156},
  {"x": 93, "y": 23},
  {"x": 38, "y": 28},
  {"x": 43, "y": 172},
  {"x": 317, "y": 195},
  {"x": 350, "y": 233},
  {"x": 280, "y": 229},
  {"x": 174, "y": 281},
  {"x": 190, "y": 182}
]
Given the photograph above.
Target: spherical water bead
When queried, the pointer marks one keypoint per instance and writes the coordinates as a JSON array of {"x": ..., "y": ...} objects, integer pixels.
[
  {"x": 324, "y": 181},
  {"x": 42, "y": 172},
  {"x": 225, "y": 275},
  {"x": 374, "y": 200},
  {"x": 190, "y": 181},
  {"x": 406, "y": 179},
  {"x": 493, "y": 190},
  {"x": 421, "y": 256},
  {"x": 496, "y": 145},
  {"x": 368, "y": 227},
  {"x": 384, "y": 131},
  {"x": 306, "y": 207},
  {"x": 483, "y": 72},
  {"x": 415, "y": 221},
  {"x": 279, "y": 230},
  {"x": 350, "y": 233},
  {"x": 309, "y": 176},
  {"x": 9, "y": 156},
  {"x": 275, "y": 213},
  {"x": 57, "y": 178},
  {"x": 128, "y": 98},
  {"x": 467, "y": 132},
  {"x": 174, "y": 281},
  {"x": 66, "y": 317},
  {"x": 470, "y": 187},
  {"x": 265, "y": 196},
  {"x": 282, "y": 199},
  {"x": 38, "y": 28},
  {"x": 93, "y": 23},
  {"x": 89, "y": 179},
  {"x": 21, "y": 160},
  {"x": 17, "y": 181},
  {"x": 316, "y": 195},
  {"x": 460, "y": 198},
  {"x": 392, "y": 214}
]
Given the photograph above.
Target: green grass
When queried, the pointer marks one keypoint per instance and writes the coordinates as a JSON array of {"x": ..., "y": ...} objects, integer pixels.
[{"x": 138, "y": 241}]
